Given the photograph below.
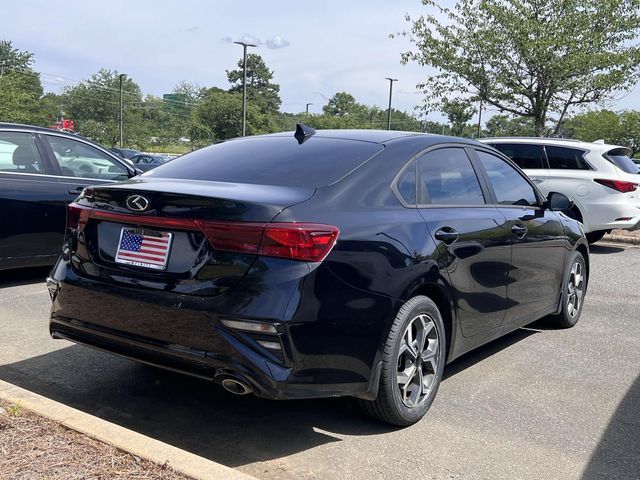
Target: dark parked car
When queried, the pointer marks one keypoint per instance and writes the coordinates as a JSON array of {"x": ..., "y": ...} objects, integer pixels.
[
  {"x": 147, "y": 161},
  {"x": 337, "y": 263},
  {"x": 127, "y": 153},
  {"x": 41, "y": 171}
]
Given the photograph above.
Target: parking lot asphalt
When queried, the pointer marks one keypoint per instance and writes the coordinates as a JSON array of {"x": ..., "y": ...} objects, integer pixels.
[{"x": 540, "y": 403}]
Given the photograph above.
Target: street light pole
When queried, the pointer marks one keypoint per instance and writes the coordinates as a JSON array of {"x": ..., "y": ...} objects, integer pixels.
[
  {"x": 244, "y": 84},
  {"x": 306, "y": 110},
  {"x": 391, "y": 80},
  {"x": 121, "y": 78},
  {"x": 479, "y": 119}
]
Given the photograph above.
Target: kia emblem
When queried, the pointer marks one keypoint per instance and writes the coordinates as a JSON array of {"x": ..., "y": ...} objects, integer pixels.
[{"x": 137, "y": 203}]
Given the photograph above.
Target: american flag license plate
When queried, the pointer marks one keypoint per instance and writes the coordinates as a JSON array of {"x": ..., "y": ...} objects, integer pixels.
[{"x": 144, "y": 248}]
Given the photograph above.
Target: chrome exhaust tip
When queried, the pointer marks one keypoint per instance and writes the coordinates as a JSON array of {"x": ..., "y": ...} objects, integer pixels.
[{"x": 236, "y": 386}]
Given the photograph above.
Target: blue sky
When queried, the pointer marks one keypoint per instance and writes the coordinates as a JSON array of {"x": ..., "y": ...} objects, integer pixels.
[{"x": 323, "y": 47}]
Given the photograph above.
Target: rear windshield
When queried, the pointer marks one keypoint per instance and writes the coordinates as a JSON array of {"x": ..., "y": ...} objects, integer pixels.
[
  {"x": 272, "y": 161},
  {"x": 621, "y": 160}
]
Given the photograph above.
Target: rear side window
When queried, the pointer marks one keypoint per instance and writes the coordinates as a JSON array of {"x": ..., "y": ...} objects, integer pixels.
[
  {"x": 563, "y": 158},
  {"x": 523, "y": 155},
  {"x": 621, "y": 160},
  {"x": 449, "y": 179},
  {"x": 508, "y": 184},
  {"x": 406, "y": 184},
  {"x": 272, "y": 161},
  {"x": 18, "y": 153}
]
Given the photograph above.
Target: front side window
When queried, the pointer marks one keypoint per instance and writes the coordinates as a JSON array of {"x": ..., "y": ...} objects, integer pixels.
[
  {"x": 78, "y": 159},
  {"x": 509, "y": 186},
  {"x": 19, "y": 154},
  {"x": 524, "y": 155},
  {"x": 448, "y": 178},
  {"x": 564, "y": 158}
]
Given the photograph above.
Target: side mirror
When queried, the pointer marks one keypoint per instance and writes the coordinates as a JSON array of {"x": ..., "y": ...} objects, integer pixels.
[{"x": 558, "y": 202}]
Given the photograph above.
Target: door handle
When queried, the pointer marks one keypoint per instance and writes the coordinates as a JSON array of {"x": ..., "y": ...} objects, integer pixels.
[
  {"x": 446, "y": 235},
  {"x": 537, "y": 179},
  {"x": 519, "y": 230},
  {"x": 76, "y": 191}
]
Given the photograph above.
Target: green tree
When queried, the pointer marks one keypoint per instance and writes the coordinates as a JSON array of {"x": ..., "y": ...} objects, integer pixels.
[
  {"x": 618, "y": 128},
  {"x": 96, "y": 102},
  {"x": 343, "y": 104},
  {"x": 261, "y": 91},
  {"x": 630, "y": 128},
  {"x": 458, "y": 112},
  {"x": 508, "y": 126},
  {"x": 218, "y": 117},
  {"x": 529, "y": 57},
  {"x": 20, "y": 87}
]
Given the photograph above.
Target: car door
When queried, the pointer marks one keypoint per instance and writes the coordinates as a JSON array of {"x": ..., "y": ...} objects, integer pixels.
[
  {"x": 538, "y": 238},
  {"x": 32, "y": 202},
  {"x": 81, "y": 164},
  {"x": 471, "y": 235}
]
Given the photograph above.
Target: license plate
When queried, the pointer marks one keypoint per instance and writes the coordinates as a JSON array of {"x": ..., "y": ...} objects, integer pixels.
[{"x": 144, "y": 248}]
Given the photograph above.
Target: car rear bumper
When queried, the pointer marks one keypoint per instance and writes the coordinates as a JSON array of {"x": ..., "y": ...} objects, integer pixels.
[
  {"x": 624, "y": 216},
  {"x": 319, "y": 357}
]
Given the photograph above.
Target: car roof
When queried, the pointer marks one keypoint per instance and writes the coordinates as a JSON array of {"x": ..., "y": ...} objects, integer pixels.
[
  {"x": 33, "y": 128},
  {"x": 377, "y": 136},
  {"x": 597, "y": 145}
]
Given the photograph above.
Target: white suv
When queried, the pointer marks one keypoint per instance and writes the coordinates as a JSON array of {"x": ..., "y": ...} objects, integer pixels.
[{"x": 601, "y": 179}]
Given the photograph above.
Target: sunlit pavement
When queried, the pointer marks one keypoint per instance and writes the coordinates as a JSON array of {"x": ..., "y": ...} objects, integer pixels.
[{"x": 538, "y": 404}]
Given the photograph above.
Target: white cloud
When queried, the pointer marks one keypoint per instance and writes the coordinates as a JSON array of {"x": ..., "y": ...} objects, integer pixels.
[{"x": 277, "y": 42}]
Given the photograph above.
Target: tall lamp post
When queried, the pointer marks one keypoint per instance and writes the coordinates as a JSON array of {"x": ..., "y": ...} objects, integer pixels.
[
  {"x": 391, "y": 80},
  {"x": 121, "y": 120},
  {"x": 244, "y": 84}
]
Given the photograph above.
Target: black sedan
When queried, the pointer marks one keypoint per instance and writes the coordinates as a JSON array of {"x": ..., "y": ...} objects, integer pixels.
[
  {"x": 318, "y": 264},
  {"x": 41, "y": 171}
]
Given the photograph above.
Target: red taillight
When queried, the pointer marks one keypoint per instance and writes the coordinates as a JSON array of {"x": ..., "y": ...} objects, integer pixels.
[
  {"x": 299, "y": 241},
  {"x": 619, "y": 185},
  {"x": 309, "y": 242},
  {"x": 233, "y": 237},
  {"x": 77, "y": 216}
]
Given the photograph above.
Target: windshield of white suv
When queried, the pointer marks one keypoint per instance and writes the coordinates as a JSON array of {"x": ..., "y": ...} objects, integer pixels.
[{"x": 621, "y": 160}]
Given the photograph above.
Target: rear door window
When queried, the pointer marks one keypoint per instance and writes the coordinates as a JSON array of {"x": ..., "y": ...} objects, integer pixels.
[
  {"x": 526, "y": 156},
  {"x": 564, "y": 158},
  {"x": 509, "y": 186},
  {"x": 19, "y": 154},
  {"x": 77, "y": 159},
  {"x": 448, "y": 178}
]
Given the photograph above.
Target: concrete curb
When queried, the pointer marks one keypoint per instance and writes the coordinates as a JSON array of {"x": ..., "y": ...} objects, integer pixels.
[{"x": 140, "y": 445}]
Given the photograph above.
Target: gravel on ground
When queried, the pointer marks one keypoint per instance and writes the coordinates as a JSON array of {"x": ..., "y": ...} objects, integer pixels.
[{"x": 33, "y": 447}]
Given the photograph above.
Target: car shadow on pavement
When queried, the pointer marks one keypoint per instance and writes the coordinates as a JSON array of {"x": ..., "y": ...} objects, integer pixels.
[
  {"x": 479, "y": 354},
  {"x": 604, "y": 249},
  {"x": 618, "y": 452},
  {"x": 196, "y": 415},
  {"x": 23, "y": 276},
  {"x": 189, "y": 413}
]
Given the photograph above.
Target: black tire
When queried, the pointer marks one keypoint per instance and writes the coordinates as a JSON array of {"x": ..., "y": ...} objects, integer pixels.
[
  {"x": 390, "y": 406},
  {"x": 570, "y": 312}
]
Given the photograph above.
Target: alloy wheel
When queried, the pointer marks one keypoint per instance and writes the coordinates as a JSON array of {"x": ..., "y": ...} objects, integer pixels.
[
  {"x": 417, "y": 362},
  {"x": 575, "y": 290}
]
